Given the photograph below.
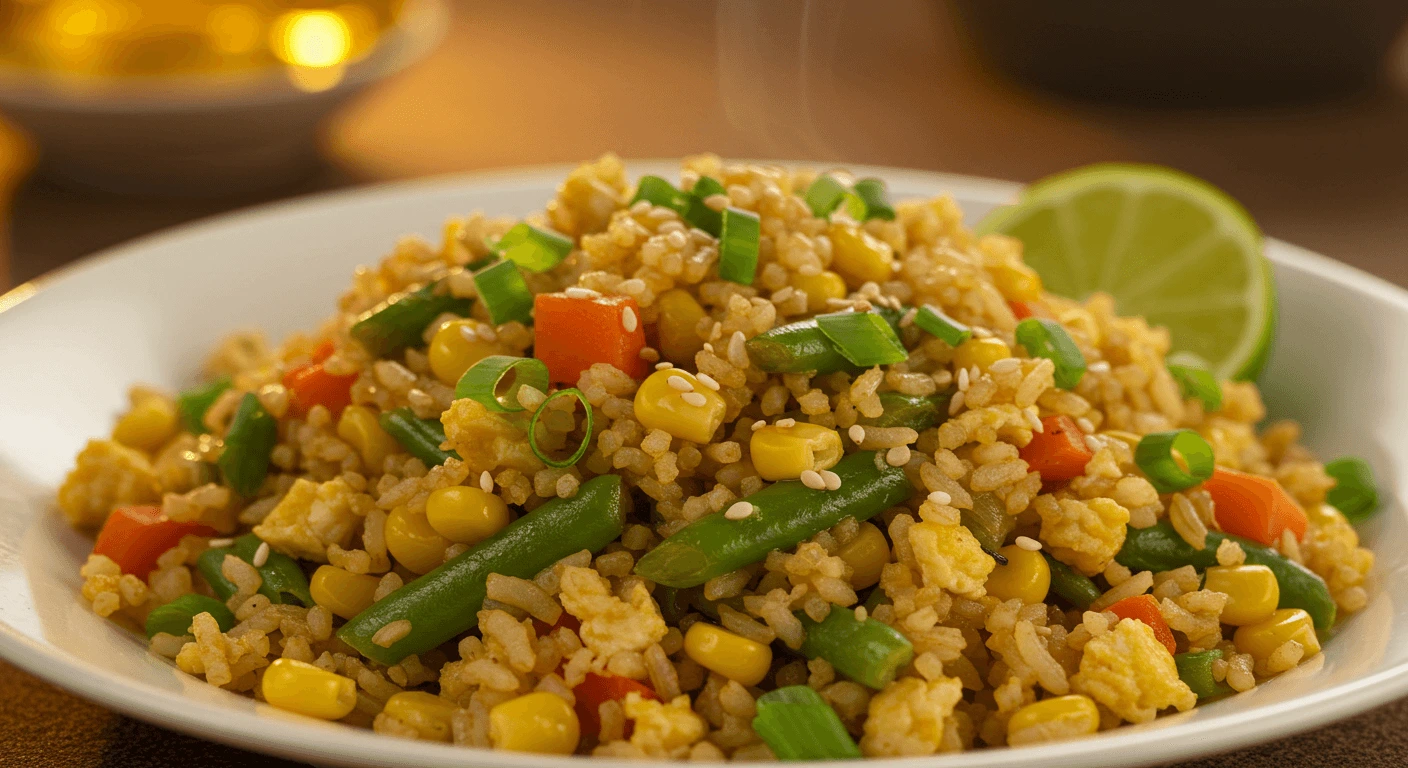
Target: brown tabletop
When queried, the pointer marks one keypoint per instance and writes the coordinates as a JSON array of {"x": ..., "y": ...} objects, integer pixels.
[{"x": 547, "y": 81}]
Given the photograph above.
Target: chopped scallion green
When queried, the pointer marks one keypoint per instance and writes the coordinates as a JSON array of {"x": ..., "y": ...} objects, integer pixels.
[
  {"x": 504, "y": 292},
  {"x": 586, "y": 430},
  {"x": 194, "y": 402},
  {"x": 826, "y": 193},
  {"x": 798, "y": 724},
  {"x": 1155, "y": 457},
  {"x": 533, "y": 248},
  {"x": 399, "y": 322},
  {"x": 1354, "y": 494},
  {"x": 1195, "y": 380},
  {"x": 738, "y": 246},
  {"x": 863, "y": 338},
  {"x": 485, "y": 379},
  {"x": 700, "y": 215},
  {"x": 658, "y": 191},
  {"x": 249, "y": 442},
  {"x": 950, "y": 331},
  {"x": 872, "y": 192},
  {"x": 1046, "y": 338}
]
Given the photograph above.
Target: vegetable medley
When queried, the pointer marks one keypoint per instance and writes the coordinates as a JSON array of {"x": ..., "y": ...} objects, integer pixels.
[{"x": 760, "y": 465}]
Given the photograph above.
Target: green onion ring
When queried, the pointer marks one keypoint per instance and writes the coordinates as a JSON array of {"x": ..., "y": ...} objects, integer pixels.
[
  {"x": 1048, "y": 339},
  {"x": 1195, "y": 380},
  {"x": 481, "y": 382},
  {"x": 1154, "y": 455},
  {"x": 586, "y": 440}
]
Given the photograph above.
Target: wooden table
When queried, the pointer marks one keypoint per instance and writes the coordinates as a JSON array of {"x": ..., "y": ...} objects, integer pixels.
[{"x": 546, "y": 81}]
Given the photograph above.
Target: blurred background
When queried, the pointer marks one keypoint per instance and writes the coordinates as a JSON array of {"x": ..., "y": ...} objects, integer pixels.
[{"x": 122, "y": 117}]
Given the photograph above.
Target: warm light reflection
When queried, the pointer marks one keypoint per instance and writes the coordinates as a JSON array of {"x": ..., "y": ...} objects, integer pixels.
[{"x": 312, "y": 38}]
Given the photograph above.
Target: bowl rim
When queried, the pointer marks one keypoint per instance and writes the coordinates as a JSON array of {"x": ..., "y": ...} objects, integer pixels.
[{"x": 323, "y": 742}]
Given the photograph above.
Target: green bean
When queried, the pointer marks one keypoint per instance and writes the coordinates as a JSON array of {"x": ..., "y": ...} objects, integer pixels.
[
  {"x": 801, "y": 347},
  {"x": 988, "y": 520},
  {"x": 446, "y": 602},
  {"x": 248, "y": 444},
  {"x": 174, "y": 618},
  {"x": 918, "y": 412},
  {"x": 421, "y": 438},
  {"x": 784, "y": 514},
  {"x": 282, "y": 577},
  {"x": 398, "y": 322},
  {"x": 194, "y": 402},
  {"x": 1076, "y": 588},
  {"x": 1195, "y": 670},
  {"x": 797, "y": 724},
  {"x": 869, "y": 652},
  {"x": 1160, "y": 548}
]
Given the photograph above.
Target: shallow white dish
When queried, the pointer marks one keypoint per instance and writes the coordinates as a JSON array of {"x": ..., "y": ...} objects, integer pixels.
[{"x": 148, "y": 311}]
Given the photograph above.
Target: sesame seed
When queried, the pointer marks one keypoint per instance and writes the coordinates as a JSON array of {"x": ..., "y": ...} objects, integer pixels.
[
  {"x": 832, "y": 480},
  {"x": 1035, "y": 421},
  {"x": 1093, "y": 444},
  {"x": 649, "y": 354},
  {"x": 785, "y": 423},
  {"x": 709, "y": 347},
  {"x": 261, "y": 555},
  {"x": 757, "y": 425},
  {"x": 716, "y": 202},
  {"x": 680, "y": 383},
  {"x": 940, "y": 498},
  {"x": 962, "y": 379},
  {"x": 1028, "y": 543},
  {"x": 487, "y": 333},
  {"x": 707, "y": 380},
  {"x": 981, "y": 332},
  {"x": 628, "y": 320},
  {"x": 956, "y": 404},
  {"x": 857, "y": 433},
  {"x": 578, "y": 292},
  {"x": 897, "y": 456},
  {"x": 664, "y": 366},
  {"x": 861, "y": 613},
  {"x": 812, "y": 479},
  {"x": 1085, "y": 425},
  {"x": 1005, "y": 365},
  {"x": 1099, "y": 366},
  {"x": 486, "y": 482},
  {"x": 739, "y": 510},
  {"x": 218, "y": 543},
  {"x": 468, "y": 333},
  {"x": 908, "y": 318},
  {"x": 974, "y": 374},
  {"x": 693, "y": 398}
]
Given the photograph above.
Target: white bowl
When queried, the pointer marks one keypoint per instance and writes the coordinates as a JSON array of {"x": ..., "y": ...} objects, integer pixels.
[{"x": 148, "y": 311}]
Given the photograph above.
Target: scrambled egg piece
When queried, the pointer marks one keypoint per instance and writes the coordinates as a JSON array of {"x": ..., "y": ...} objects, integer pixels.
[
  {"x": 1083, "y": 534},
  {"x": 311, "y": 517},
  {"x": 106, "y": 475},
  {"x": 1131, "y": 673},
  {"x": 951, "y": 558},
  {"x": 907, "y": 718},
  {"x": 610, "y": 625},
  {"x": 1331, "y": 549},
  {"x": 588, "y": 197},
  {"x": 665, "y": 731},
  {"x": 487, "y": 441}
]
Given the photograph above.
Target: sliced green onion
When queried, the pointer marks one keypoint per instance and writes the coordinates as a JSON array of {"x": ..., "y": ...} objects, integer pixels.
[
  {"x": 485, "y": 381},
  {"x": 700, "y": 215},
  {"x": 826, "y": 193},
  {"x": 1195, "y": 380},
  {"x": 533, "y": 248},
  {"x": 399, "y": 322},
  {"x": 798, "y": 724},
  {"x": 174, "y": 618},
  {"x": 504, "y": 292},
  {"x": 586, "y": 438},
  {"x": 738, "y": 246},
  {"x": 1155, "y": 456},
  {"x": 1354, "y": 494},
  {"x": 658, "y": 191},
  {"x": 948, "y": 330},
  {"x": 872, "y": 192},
  {"x": 249, "y": 443},
  {"x": 194, "y": 402},
  {"x": 863, "y": 338},
  {"x": 988, "y": 521},
  {"x": 1046, "y": 338}
]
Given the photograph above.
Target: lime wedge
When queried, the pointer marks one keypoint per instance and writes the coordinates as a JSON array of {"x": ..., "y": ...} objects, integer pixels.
[{"x": 1166, "y": 245}]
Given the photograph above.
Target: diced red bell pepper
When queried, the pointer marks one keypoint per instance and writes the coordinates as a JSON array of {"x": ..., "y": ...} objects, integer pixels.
[
  {"x": 1058, "y": 452},
  {"x": 571, "y": 334},
  {"x": 1253, "y": 506},
  {"x": 134, "y": 537},
  {"x": 1021, "y": 309},
  {"x": 1146, "y": 609},
  {"x": 310, "y": 385},
  {"x": 596, "y": 690}
]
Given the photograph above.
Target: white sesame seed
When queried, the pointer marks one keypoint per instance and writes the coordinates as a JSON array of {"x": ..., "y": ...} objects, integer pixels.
[
  {"x": 861, "y": 613},
  {"x": 757, "y": 425},
  {"x": 857, "y": 433},
  {"x": 981, "y": 332},
  {"x": 261, "y": 555},
  {"x": 785, "y": 423},
  {"x": 739, "y": 510},
  {"x": 468, "y": 333},
  {"x": 962, "y": 379},
  {"x": 974, "y": 374},
  {"x": 1085, "y": 425},
  {"x": 1093, "y": 444},
  {"x": 707, "y": 380},
  {"x": 941, "y": 498},
  {"x": 832, "y": 480},
  {"x": 1028, "y": 543},
  {"x": 1005, "y": 365},
  {"x": 1099, "y": 366},
  {"x": 1035, "y": 421},
  {"x": 895, "y": 266},
  {"x": 578, "y": 292},
  {"x": 649, "y": 354},
  {"x": 908, "y": 318},
  {"x": 680, "y": 383},
  {"x": 218, "y": 543},
  {"x": 897, "y": 456},
  {"x": 709, "y": 347},
  {"x": 487, "y": 333},
  {"x": 662, "y": 366},
  {"x": 716, "y": 202},
  {"x": 628, "y": 320},
  {"x": 693, "y": 398},
  {"x": 486, "y": 482},
  {"x": 956, "y": 404},
  {"x": 812, "y": 479}
]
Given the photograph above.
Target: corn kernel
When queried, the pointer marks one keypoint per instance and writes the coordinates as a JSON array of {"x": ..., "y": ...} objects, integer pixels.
[
  {"x": 734, "y": 657},
  {"x": 1062, "y": 717},
  {"x": 1322, "y": 515},
  {"x": 536, "y": 722},
  {"x": 465, "y": 514},
  {"x": 412, "y": 541},
  {"x": 455, "y": 348},
  {"x": 427, "y": 713},
  {"x": 1016, "y": 282},
  {"x": 303, "y": 688},
  {"x": 150, "y": 423},
  {"x": 820, "y": 287},
  {"x": 1264, "y": 637},
  {"x": 858, "y": 256},
  {"x": 358, "y": 426},
  {"x": 660, "y": 406},
  {"x": 1252, "y": 592},
  {"x": 784, "y": 453},
  {"x": 679, "y": 320},
  {"x": 867, "y": 555},
  {"x": 1027, "y": 576},
  {"x": 981, "y": 352},
  {"x": 344, "y": 593}
]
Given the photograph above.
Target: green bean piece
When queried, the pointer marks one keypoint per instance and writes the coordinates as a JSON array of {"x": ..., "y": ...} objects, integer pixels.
[
  {"x": 1160, "y": 548},
  {"x": 174, "y": 618},
  {"x": 988, "y": 520},
  {"x": 446, "y": 602},
  {"x": 797, "y": 724},
  {"x": 1075, "y": 587},
  {"x": 421, "y": 438},
  {"x": 283, "y": 579},
  {"x": 399, "y": 321},
  {"x": 796, "y": 348},
  {"x": 918, "y": 412},
  {"x": 194, "y": 402},
  {"x": 784, "y": 514},
  {"x": 1195, "y": 670},
  {"x": 869, "y": 652},
  {"x": 248, "y": 444}
]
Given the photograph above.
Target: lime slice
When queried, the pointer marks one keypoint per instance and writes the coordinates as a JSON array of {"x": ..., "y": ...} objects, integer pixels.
[{"x": 1167, "y": 246}]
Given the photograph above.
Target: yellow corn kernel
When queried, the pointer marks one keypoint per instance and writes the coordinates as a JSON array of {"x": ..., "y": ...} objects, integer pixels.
[
  {"x": 344, "y": 593},
  {"x": 300, "y": 687},
  {"x": 858, "y": 256},
  {"x": 1264, "y": 637},
  {"x": 867, "y": 555},
  {"x": 412, "y": 541},
  {"x": 660, "y": 406},
  {"x": 464, "y": 514},
  {"x": 1016, "y": 282},
  {"x": 677, "y": 327},
  {"x": 820, "y": 287},
  {"x": 981, "y": 352},
  {"x": 1062, "y": 717},
  {"x": 1322, "y": 515},
  {"x": 456, "y": 347},
  {"x": 536, "y": 722},
  {"x": 150, "y": 424},
  {"x": 1252, "y": 592},
  {"x": 784, "y": 453},
  {"x": 1027, "y": 576},
  {"x": 734, "y": 657},
  {"x": 427, "y": 713},
  {"x": 358, "y": 426}
]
